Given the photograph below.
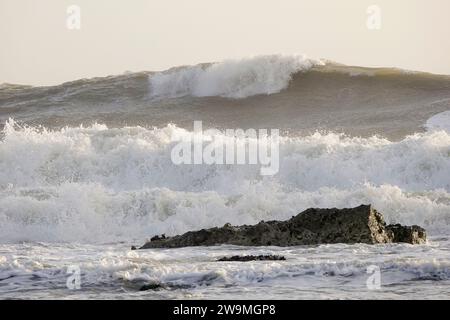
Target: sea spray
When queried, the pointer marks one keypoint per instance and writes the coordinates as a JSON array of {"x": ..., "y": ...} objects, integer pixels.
[
  {"x": 100, "y": 184},
  {"x": 231, "y": 78}
]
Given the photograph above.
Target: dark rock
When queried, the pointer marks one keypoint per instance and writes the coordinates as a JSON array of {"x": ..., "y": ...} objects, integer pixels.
[
  {"x": 151, "y": 286},
  {"x": 166, "y": 286},
  {"x": 133, "y": 248},
  {"x": 156, "y": 238},
  {"x": 407, "y": 234},
  {"x": 253, "y": 258},
  {"x": 362, "y": 224}
]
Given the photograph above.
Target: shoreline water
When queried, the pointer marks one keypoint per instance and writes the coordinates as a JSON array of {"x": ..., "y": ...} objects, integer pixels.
[{"x": 309, "y": 272}]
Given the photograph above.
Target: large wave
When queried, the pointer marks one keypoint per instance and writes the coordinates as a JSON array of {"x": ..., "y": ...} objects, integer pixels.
[
  {"x": 107, "y": 184},
  {"x": 286, "y": 92},
  {"x": 231, "y": 78}
]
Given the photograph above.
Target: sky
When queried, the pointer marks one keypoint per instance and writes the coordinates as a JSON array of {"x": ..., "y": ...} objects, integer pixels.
[{"x": 41, "y": 45}]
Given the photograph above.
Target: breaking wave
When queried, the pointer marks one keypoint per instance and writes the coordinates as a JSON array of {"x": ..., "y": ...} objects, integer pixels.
[
  {"x": 230, "y": 78},
  {"x": 441, "y": 121},
  {"x": 100, "y": 184}
]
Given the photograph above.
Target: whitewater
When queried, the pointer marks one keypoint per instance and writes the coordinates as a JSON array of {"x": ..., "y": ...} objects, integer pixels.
[{"x": 86, "y": 172}]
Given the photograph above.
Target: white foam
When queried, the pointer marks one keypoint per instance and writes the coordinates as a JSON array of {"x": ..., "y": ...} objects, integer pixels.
[
  {"x": 440, "y": 121},
  {"x": 97, "y": 184},
  {"x": 113, "y": 271},
  {"x": 230, "y": 78}
]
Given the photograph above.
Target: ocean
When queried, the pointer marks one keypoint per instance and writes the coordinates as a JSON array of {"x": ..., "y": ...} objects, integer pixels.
[{"x": 86, "y": 172}]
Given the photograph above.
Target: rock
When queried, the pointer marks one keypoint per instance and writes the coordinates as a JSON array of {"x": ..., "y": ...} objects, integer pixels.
[
  {"x": 155, "y": 286},
  {"x": 412, "y": 234},
  {"x": 133, "y": 248},
  {"x": 156, "y": 238},
  {"x": 253, "y": 258},
  {"x": 151, "y": 286},
  {"x": 362, "y": 224}
]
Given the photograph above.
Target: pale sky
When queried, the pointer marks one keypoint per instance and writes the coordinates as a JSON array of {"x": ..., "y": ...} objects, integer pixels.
[{"x": 133, "y": 35}]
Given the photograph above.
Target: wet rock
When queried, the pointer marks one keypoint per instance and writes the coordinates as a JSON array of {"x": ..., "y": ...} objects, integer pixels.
[
  {"x": 156, "y": 286},
  {"x": 151, "y": 286},
  {"x": 407, "y": 234},
  {"x": 253, "y": 258},
  {"x": 362, "y": 224},
  {"x": 156, "y": 238}
]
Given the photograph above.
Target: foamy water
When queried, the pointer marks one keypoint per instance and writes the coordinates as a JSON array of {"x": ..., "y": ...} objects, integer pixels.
[
  {"x": 81, "y": 195},
  {"x": 39, "y": 270},
  {"x": 105, "y": 184},
  {"x": 440, "y": 121},
  {"x": 232, "y": 78}
]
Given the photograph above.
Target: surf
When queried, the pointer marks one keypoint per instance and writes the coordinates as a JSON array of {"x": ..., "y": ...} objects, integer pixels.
[
  {"x": 97, "y": 184},
  {"x": 291, "y": 93}
]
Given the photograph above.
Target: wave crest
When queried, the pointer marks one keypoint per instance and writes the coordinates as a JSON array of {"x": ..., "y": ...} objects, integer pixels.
[{"x": 230, "y": 78}]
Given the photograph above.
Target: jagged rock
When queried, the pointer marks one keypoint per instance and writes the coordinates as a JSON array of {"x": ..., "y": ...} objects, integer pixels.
[
  {"x": 151, "y": 286},
  {"x": 253, "y": 258},
  {"x": 362, "y": 224},
  {"x": 413, "y": 234},
  {"x": 156, "y": 238},
  {"x": 156, "y": 286}
]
